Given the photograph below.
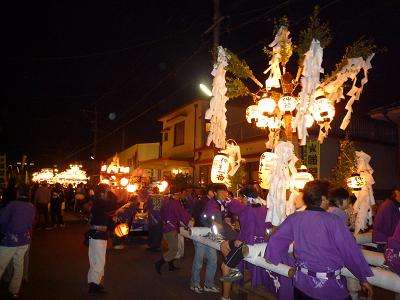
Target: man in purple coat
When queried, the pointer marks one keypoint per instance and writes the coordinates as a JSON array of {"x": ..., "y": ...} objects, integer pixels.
[
  {"x": 322, "y": 246},
  {"x": 392, "y": 251},
  {"x": 386, "y": 219},
  {"x": 172, "y": 214},
  {"x": 16, "y": 222}
]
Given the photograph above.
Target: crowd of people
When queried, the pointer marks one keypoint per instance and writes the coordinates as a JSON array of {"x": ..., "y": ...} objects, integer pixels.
[{"x": 320, "y": 230}]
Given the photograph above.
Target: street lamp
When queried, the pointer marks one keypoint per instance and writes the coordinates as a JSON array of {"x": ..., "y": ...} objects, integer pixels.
[{"x": 205, "y": 90}]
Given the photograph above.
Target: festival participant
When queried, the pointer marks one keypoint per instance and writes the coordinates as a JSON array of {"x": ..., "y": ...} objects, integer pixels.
[
  {"x": 392, "y": 251},
  {"x": 104, "y": 205},
  {"x": 202, "y": 250},
  {"x": 386, "y": 219},
  {"x": 172, "y": 213},
  {"x": 42, "y": 200},
  {"x": 322, "y": 246},
  {"x": 338, "y": 203},
  {"x": 125, "y": 214},
  {"x": 56, "y": 200},
  {"x": 153, "y": 206},
  {"x": 16, "y": 221}
]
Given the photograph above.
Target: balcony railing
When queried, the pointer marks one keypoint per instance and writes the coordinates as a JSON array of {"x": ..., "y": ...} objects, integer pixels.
[{"x": 359, "y": 128}]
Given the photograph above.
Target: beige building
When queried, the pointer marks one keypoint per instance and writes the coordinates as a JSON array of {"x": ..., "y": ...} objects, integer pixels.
[{"x": 135, "y": 155}]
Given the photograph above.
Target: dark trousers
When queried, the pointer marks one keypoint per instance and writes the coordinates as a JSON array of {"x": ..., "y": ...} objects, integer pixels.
[
  {"x": 42, "y": 209},
  {"x": 56, "y": 216},
  {"x": 299, "y": 295},
  {"x": 155, "y": 236}
]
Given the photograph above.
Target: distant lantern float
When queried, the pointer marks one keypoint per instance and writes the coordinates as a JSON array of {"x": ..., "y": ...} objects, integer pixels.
[
  {"x": 162, "y": 186},
  {"x": 252, "y": 113},
  {"x": 121, "y": 230},
  {"x": 302, "y": 177},
  {"x": 131, "y": 188},
  {"x": 266, "y": 105},
  {"x": 124, "y": 181},
  {"x": 45, "y": 174},
  {"x": 74, "y": 175},
  {"x": 355, "y": 182},
  {"x": 323, "y": 110},
  {"x": 264, "y": 169},
  {"x": 220, "y": 168}
]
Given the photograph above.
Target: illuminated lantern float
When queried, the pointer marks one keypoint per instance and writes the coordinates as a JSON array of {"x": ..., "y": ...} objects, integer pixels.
[
  {"x": 220, "y": 168},
  {"x": 115, "y": 175},
  {"x": 302, "y": 177},
  {"x": 355, "y": 182},
  {"x": 264, "y": 169},
  {"x": 74, "y": 175}
]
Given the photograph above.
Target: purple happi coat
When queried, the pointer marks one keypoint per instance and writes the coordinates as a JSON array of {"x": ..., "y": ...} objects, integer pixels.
[
  {"x": 392, "y": 251},
  {"x": 153, "y": 206},
  {"x": 322, "y": 243},
  {"x": 385, "y": 221},
  {"x": 172, "y": 213},
  {"x": 127, "y": 212}
]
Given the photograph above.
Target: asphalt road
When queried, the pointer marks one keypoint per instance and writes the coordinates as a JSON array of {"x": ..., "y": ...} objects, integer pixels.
[{"x": 59, "y": 265}]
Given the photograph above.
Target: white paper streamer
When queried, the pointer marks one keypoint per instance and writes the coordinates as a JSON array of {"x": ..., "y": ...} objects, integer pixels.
[
  {"x": 365, "y": 197},
  {"x": 310, "y": 80},
  {"x": 235, "y": 157},
  {"x": 283, "y": 166},
  {"x": 217, "y": 110},
  {"x": 281, "y": 39}
]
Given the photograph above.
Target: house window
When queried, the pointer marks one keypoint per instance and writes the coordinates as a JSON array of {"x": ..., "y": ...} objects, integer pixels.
[
  {"x": 179, "y": 133},
  {"x": 165, "y": 136},
  {"x": 204, "y": 175}
]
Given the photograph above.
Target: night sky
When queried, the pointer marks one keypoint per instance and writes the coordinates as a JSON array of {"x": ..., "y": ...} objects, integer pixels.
[{"x": 137, "y": 60}]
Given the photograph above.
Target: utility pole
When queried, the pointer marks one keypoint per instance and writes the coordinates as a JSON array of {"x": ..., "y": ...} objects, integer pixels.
[
  {"x": 95, "y": 128},
  {"x": 216, "y": 21},
  {"x": 123, "y": 139}
]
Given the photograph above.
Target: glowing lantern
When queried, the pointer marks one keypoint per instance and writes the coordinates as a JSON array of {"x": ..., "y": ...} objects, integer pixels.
[
  {"x": 309, "y": 120},
  {"x": 252, "y": 113},
  {"x": 355, "y": 182},
  {"x": 264, "y": 169},
  {"x": 267, "y": 105},
  {"x": 124, "y": 181},
  {"x": 262, "y": 122},
  {"x": 121, "y": 230},
  {"x": 287, "y": 104},
  {"x": 323, "y": 110},
  {"x": 131, "y": 188},
  {"x": 162, "y": 186},
  {"x": 103, "y": 168},
  {"x": 274, "y": 123},
  {"x": 220, "y": 168},
  {"x": 302, "y": 177},
  {"x": 126, "y": 170},
  {"x": 105, "y": 181}
]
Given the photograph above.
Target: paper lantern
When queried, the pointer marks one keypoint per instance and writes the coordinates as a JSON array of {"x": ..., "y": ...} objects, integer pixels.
[
  {"x": 131, "y": 188},
  {"x": 220, "y": 168},
  {"x": 355, "y": 182},
  {"x": 302, "y": 177},
  {"x": 121, "y": 229},
  {"x": 162, "y": 186},
  {"x": 264, "y": 168},
  {"x": 105, "y": 181},
  {"x": 274, "y": 123},
  {"x": 323, "y": 111},
  {"x": 262, "y": 122},
  {"x": 266, "y": 105},
  {"x": 287, "y": 104},
  {"x": 252, "y": 113},
  {"x": 309, "y": 120},
  {"x": 124, "y": 181},
  {"x": 103, "y": 168}
]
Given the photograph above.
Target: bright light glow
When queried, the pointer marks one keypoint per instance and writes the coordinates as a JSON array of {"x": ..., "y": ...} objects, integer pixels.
[
  {"x": 43, "y": 175},
  {"x": 205, "y": 90},
  {"x": 105, "y": 181},
  {"x": 267, "y": 105},
  {"x": 309, "y": 120},
  {"x": 56, "y": 170},
  {"x": 124, "y": 181},
  {"x": 252, "y": 113},
  {"x": 131, "y": 188},
  {"x": 323, "y": 110},
  {"x": 287, "y": 104},
  {"x": 162, "y": 186},
  {"x": 215, "y": 229},
  {"x": 73, "y": 175},
  {"x": 91, "y": 157},
  {"x": 121, "y": 229},
  {"x": 302, "y": 177},
  {"x": 103, "y": 168},
  {"x": 264, "y": 168},
  {"x": 274, "y": 123},
  {"x": 262, "y": 122},
  {"x": 355, "y": 182}
]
